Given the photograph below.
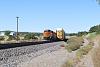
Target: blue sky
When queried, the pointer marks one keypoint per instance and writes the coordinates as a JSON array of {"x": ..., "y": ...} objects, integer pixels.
[{"x": 37, "y": 15}]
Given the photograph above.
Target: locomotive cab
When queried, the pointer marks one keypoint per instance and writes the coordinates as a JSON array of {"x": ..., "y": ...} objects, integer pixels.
[{"x": 46, "y": 34}]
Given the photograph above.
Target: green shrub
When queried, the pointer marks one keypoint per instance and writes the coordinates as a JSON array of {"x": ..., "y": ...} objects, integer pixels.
[
  {"x": 7, "y": 32},
  {"x": 74, "y": 43},
  {"x": 10, "y": 37},
  {"x": 30, "y": 36}
]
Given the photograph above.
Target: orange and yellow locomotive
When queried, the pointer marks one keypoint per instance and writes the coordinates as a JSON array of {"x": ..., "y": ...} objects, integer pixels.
[{"x": 51, "y": 35}]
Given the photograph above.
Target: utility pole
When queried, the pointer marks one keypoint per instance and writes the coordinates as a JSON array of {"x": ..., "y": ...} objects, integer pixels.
[{"x": 17, "y": 27}]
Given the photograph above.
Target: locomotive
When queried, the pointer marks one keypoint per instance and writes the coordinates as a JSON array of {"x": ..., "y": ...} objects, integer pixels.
[{"x": 54, "y": 36}]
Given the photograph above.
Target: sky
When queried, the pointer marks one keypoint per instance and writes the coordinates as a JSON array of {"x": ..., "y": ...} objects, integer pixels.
[{"x": 38, "y": 15}]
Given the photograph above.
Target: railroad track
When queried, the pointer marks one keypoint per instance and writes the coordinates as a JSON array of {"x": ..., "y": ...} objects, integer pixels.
[{"x": 13, "y": 45}]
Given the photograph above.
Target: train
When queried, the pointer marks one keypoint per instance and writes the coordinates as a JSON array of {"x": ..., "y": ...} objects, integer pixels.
[
  {"x": 49, "y": 36},
  {"x": 54, "y": 36}
]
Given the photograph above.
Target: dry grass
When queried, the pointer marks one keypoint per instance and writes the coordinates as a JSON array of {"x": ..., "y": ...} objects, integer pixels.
[
  {"x": 94, "y": 37},
  {"x": 74, "y": 43},
  {"x": 69, "y": 63},
  {"x": 96, "y": 53},
  {"x": 96, "y": 57},
  {"x": 97, "y": 38},
  {"x": 79, "y": 54},
  {"x": 96, "y": 50},
  {"x": 83, "y": 51}
]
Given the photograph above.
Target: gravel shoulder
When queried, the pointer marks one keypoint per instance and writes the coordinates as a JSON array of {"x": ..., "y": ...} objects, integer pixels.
[{"x": 53, "y": 59}]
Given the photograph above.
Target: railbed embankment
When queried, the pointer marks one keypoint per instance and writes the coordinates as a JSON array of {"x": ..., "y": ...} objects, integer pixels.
[{"x": 13, "y": 56}]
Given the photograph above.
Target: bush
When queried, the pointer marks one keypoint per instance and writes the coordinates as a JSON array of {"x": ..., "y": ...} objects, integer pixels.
[
  {"x": 74, "y": 43},
  {"x": 2, "y": 38},
  {"x": 83, "y": 51},
  {"x": 10, "y": 37},
  {"x": 7, "y": 33},
  {"x": 30, "y": 36}
]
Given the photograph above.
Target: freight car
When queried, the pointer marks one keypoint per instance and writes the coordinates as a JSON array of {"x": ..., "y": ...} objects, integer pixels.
[
  {"x": 54, "y": 36},
  {"x": 60, "y": 33}
]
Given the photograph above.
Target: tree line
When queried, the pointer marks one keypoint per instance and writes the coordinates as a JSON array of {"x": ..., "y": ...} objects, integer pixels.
[
  {"x": 25, "y": 35},
  {"x": 91, "y": 30}
]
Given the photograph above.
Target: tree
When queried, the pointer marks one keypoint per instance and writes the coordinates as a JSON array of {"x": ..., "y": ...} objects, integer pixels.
[
  {"x": 98, "y": 1},
  {"x": 37, "y": 34},
  {"x": 72, "y": 34},
  {"x": 7, "y": 33},
  {"x": 82, "y": 33},
  {"x": 2, "y": 38},
  {"x": 95, "y": 29}
]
